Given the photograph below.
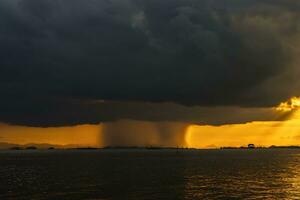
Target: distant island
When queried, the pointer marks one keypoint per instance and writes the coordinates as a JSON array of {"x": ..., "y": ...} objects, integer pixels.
[
  {"x": 33, "y": 146},
  {"x": 135, "y": 147},
  {"x": 252, "y": 146},
  {"x": 55, "y": 147}
]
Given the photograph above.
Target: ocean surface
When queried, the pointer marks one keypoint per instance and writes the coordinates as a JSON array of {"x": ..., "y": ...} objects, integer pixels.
[{"x": 150, "y": 174}]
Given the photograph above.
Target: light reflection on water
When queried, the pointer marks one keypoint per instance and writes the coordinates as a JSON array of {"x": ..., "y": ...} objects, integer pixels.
[
  {"x": 150, "y": 174},
  {"x": 261, "y": 174}
]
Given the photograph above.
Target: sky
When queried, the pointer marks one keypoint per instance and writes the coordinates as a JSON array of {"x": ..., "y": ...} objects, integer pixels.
[{"x": 183, "y": 73}]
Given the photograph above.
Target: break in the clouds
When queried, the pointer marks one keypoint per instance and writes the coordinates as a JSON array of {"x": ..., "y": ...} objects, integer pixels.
[{"x": 189, "y": 52}]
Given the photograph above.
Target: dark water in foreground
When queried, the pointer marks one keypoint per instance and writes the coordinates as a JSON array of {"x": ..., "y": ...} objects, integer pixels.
[{"x": 150, "y": 174}]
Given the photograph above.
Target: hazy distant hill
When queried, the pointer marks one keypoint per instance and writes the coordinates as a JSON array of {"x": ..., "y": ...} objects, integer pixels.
[{"x": 5, "y": 145}]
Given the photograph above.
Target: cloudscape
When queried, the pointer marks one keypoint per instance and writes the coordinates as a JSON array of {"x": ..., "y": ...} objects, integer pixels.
[
  {"x": 150, "y": 99},
  {"x": 148, "y": 69}
]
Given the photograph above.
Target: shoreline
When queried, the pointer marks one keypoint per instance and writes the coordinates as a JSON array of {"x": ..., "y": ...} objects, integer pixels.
[{"x": 31, "y": 148}]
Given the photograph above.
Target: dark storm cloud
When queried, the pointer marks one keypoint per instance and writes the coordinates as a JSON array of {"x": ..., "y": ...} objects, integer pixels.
[
  {"x": 72, "y": 112},
  {"x": 239, "y": 53}
]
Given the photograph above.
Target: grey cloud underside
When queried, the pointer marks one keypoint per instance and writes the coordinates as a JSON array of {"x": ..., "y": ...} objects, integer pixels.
[
  {"x": 72, "y": 112},
  {"x": 205, "y": 53}
]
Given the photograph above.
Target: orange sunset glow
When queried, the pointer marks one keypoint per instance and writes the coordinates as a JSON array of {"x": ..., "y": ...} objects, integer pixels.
[
  {"x": 262, "y": 133},
  {"x": 81, "y": 135}
]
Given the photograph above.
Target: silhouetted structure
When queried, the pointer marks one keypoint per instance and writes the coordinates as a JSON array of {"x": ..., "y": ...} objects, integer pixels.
[{"x": 251, "y": 146}]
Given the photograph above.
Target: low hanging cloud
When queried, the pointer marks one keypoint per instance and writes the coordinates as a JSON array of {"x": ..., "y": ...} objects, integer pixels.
[
  {"x": 58, "y": 56},
  {"x": 70, "y": 112}
]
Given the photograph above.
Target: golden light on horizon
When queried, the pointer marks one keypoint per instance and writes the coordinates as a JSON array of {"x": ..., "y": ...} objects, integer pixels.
[
  {"x": 80, "y": 135},
  {"x": 261, "y": 133}
]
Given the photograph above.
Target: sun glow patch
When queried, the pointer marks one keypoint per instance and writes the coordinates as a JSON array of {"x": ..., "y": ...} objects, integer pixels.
[{"x": 290, "y": 105}]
